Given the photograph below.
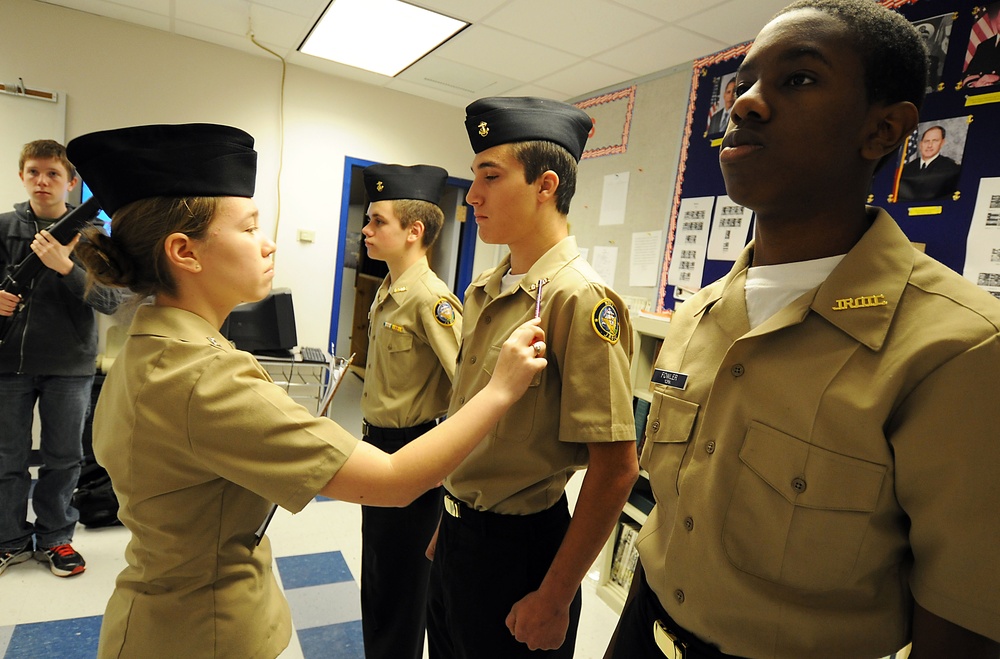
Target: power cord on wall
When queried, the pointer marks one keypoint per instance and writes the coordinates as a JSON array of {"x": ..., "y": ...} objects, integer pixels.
[{"x": 281, "y": 123}]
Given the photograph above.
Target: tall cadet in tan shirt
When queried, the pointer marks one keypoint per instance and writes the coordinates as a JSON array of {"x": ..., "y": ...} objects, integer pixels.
[
  {"x": 509, "y": 559},
  {"x": 414, "y": 327}
]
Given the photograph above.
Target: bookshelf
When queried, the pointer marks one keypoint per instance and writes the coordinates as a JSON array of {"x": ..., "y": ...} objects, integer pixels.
[{"x": 617, "y": 560}]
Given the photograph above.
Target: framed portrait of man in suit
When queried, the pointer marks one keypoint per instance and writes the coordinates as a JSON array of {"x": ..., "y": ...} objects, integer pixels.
[
  {"x": 982, "y": 59},
  {"x": 723, "y": 98},
  {"x": 931, "y": 161}
]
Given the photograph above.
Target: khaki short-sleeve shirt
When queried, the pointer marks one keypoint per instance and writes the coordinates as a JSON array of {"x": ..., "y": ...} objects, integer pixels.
[
  {"x": 198, "y": 441},
  {"x": 583, "y": 395},
  {"x": 816, "y": 474},
  {"x": 414, "y": 328}
]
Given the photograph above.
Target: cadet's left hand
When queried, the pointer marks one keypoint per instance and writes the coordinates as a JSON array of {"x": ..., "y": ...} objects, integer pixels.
[
  {"x": 538, "y": 622},
  {"x": 52, "y": 253}
]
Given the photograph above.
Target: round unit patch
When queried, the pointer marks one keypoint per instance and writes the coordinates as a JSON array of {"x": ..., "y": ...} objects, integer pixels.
[
  {"x": 605, "y": 319},
  {"x": 444, "y": 313}
]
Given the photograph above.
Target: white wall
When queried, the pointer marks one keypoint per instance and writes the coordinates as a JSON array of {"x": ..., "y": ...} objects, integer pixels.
[{"x": 116, "y": 74}]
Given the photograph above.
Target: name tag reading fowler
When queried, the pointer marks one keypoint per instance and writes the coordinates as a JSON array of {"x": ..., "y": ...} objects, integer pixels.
[{"x": 670, "y": 378}]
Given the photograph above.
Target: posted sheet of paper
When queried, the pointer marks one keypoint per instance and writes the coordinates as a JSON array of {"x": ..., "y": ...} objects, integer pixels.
[
  {"x": 613, "y": 199},
  {"x": 982, "y": 252},
  {"x": 730, "y": 226},
  {"x": 647, "y": 255},
  {"x": 687, "y": 263},
  {"x": 605, "y": 260}
]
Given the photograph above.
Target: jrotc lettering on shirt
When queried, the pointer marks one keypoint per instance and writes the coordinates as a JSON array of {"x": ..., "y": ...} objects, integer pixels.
[{"x": 861, "y": 302}]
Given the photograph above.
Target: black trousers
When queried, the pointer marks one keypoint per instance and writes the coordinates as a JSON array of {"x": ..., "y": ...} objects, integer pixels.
[
  {"x": 484, "y": 563},
  {"x": 394, "y": 568}
]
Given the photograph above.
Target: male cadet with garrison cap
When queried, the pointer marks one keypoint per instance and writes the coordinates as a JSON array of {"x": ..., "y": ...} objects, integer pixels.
[
  {"x": 509, "y": 559},
  {"x": 414, "y": 328}
]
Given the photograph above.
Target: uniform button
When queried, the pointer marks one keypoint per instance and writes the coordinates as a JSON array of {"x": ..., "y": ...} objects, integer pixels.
[
  {"x": 689, "y": 523},
  {"x": 710, "y": 448},
  {"x": 737, "y": 370},
  {"x": 380, "y": 307},
  {"x": 487, "y": 320},
  {"x": 799, "y": 485},
  {"x": 656, "y": 425},
  {"x": 472, "y": 360},
  {"x": 679, "y": 596},
  {"x": 461, "y": 400}
]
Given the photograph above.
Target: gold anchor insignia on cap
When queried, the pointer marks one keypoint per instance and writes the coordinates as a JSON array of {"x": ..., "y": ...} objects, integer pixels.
[
  {"x": 380, "y": 186},
  {"x": 861, "y": 302},
  {"x": 484, "y": 129}
]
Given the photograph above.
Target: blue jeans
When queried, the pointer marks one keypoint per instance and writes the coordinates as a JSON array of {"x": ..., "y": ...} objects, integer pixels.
[{"x": 63, "y": 403}]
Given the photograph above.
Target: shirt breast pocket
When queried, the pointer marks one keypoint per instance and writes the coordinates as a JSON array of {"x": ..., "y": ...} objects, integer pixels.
[
  {"x": 399, "y": 364},
  {"x": 799, "y": 513},
  {"x": 519, "y": 421},
  {"x": 669, "y": 428}
]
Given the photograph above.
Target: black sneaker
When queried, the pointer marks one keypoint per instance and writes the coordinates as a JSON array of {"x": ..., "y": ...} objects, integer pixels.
[
  {"x": 8, "y": 558},
  {"x": 63, "y": 560}
]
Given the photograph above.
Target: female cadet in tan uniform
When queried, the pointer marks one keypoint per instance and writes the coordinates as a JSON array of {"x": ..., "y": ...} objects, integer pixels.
[{"x": 196, "y": 438}]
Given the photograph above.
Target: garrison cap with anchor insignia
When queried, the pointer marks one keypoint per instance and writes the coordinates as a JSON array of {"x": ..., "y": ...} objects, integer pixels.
[
  {"x": 123, "y": 165},
  {"x": 420, "y": 182},
  {"x": 505, "y": 119}
]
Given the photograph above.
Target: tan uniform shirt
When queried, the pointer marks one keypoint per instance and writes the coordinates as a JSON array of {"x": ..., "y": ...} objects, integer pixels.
[
  {"x": 198, "y": 442},
  {"x": 814, "y": 475},
  {"x": 414, "y": 327},
  {"x": 583, "y": 395}
]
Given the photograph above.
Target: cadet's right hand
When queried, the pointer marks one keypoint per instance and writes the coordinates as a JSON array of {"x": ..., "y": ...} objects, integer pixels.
[
  {"x": 520, "y": 359},
  {"x": 8, "y": 303}
]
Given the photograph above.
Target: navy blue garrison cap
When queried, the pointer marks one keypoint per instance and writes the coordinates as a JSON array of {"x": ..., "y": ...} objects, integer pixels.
[
  {"x": 167, "y": 160},
  {"x": 421, "y": 182},
  {"x": 506, "y": 119}
]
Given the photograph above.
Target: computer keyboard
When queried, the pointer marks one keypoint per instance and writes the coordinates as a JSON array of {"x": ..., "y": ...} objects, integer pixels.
[{"x": 312, "y": 355}]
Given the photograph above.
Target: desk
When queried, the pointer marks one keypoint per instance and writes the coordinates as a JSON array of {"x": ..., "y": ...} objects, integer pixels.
[{"x": 305, "y": 382}]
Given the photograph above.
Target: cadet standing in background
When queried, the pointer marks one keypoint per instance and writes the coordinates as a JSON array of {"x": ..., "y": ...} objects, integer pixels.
[{"x": 414, "y": 328}]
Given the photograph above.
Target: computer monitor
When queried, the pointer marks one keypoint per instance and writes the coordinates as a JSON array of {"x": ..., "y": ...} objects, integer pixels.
[
  {"x": 86, "y": 194},
  {"x": 265, "y": 328}
]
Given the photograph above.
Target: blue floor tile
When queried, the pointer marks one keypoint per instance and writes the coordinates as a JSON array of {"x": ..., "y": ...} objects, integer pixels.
[
  {"x": 68, "y": 639},
  {"x": 344, "y": 641},
  {"x": 313, "y": 569}
]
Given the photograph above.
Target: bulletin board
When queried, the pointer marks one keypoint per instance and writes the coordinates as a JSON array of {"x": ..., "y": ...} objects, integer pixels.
[{"x": 953, "y": 215}]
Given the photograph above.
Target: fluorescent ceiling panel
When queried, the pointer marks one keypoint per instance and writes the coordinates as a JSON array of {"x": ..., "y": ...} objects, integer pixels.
[{"x": 384, "y": 36}]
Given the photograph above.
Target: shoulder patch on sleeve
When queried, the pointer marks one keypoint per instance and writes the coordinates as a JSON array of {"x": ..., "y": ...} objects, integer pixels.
[
  {"x": 605, "y": 320},
  {"x": 444, "y": 313}
]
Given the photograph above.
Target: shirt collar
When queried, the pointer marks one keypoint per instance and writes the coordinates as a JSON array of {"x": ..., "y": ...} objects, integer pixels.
[
  {"x": 545, "y": 268},
  {"x": 860, "y": 297}
]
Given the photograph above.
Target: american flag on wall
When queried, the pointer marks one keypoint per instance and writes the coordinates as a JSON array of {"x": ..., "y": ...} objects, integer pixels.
[{"x": 981, "y": 31}]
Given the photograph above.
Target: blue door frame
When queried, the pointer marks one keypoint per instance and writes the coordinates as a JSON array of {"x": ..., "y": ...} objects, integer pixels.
[{"x": 466, "y": 242}]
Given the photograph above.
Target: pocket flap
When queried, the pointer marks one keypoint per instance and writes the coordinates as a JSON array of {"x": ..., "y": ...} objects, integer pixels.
[
  {"x": 399, "y": 342},
  {"x": 671, "y": 420},
  {"x": 811, "y": 476}
]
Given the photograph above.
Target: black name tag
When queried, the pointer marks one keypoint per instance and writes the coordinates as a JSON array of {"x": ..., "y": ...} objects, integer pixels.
[{"x": 670, "y": 378}]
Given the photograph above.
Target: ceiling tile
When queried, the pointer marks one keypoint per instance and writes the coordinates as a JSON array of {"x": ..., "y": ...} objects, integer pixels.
[
  {"x": 214, "y": 36},
  {"x": 310, "y": 9},
  {"x": 584, "y": 77},
  {"x": 504, "y": 54},
  {"x": 536, "y": 90},
  {"x": 232, "y": 16},
  {"x": 456, "y": 78},
  {"x": 159, "y": 20},
  {"x": 660, "y": 50},
  {"x": 471, "y": 12},
  {"x": 669, "y": 10},
  {"x": 581, "y": 27},
  {"x": 735, "y": 21},
  {"x": 279, "y": 27}
]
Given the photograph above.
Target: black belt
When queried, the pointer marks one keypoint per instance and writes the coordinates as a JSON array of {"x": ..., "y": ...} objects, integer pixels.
[
  {"x": 395, "y": 434},
  {"x": 458, "y": 509}
]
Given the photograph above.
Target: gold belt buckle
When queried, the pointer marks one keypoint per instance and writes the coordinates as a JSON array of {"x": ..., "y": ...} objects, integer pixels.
[
  {"x": 667, "y": 642},
  {"x": 452, "y": 507}
]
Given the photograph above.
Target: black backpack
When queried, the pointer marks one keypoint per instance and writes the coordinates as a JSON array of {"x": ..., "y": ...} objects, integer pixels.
[{"x": 94, "y": 497}]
